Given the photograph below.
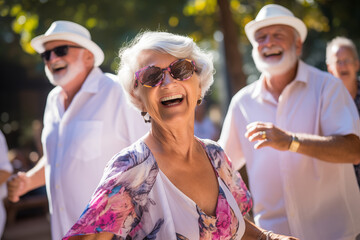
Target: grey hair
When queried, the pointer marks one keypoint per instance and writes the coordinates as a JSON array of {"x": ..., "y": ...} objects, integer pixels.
[
  {"x": 340, "y": 42},
  {"x": 168, "y": 43}
]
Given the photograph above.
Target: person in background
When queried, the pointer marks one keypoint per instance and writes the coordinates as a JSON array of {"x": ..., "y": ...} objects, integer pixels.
[
  {"x": 86, "y": 121},
  {"x": 169, "y": 184},
  {"x": 343, "y": 62},
  {"x": 204, "y": 127},
  {"x": 5, "y": 172},
  {"x": 298, "y": 130}
]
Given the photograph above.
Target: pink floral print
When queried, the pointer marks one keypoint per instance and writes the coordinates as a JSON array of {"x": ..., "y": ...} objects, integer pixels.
[{"x": 122, "y": 203}]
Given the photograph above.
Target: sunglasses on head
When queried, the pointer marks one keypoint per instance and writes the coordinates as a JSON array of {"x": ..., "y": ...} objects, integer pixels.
[
  {"x": 59, "y": 51},
  {"x": 152, "y": 76}
]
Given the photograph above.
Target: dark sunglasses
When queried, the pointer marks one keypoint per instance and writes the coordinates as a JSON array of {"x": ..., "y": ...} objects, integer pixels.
[
  {"x": 152, "y": 76},
  {"x": 59, "y": 51}
]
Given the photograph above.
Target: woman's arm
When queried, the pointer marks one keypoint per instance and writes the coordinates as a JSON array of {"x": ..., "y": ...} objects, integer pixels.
[
  {"x": 97, "y": 236},
  {"x": 253, "y": 232}
]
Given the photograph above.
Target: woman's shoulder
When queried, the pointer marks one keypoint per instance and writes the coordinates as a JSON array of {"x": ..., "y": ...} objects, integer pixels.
[
  {"x": 215, "y": 152},
  {"x": 131, "y": 162},
  {"x": 122, "y": 196},
  {"x": 131, "y": 156},
  {"x": 209, "y": 144},
  {"x": 222, "y": 164}
]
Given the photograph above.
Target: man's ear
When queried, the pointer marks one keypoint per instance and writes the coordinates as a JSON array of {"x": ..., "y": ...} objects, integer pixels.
[
  {"x": 329, "y": 69},
  {"x": 298, "y": 46},
  {"x": 88, "y": 58},
  {"x": 357, "y": 65}
]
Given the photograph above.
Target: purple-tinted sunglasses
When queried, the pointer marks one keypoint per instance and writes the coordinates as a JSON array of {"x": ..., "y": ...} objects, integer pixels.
[{"x": 152, "y": 76}]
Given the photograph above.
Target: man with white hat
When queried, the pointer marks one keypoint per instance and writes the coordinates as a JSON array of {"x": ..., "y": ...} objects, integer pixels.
[
  {"x": 87, "y": 120},
  {"x": 298, "y": 131}
]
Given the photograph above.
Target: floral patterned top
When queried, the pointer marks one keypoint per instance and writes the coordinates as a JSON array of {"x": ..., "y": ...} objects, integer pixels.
[{"x": 135, "y": 200}]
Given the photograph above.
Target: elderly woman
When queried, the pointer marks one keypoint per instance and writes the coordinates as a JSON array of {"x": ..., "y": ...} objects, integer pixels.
[{"x": 169, "y": 184}]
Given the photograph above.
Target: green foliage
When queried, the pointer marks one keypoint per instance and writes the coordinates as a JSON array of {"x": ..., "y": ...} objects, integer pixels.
[{"x": 112, "y": 23}]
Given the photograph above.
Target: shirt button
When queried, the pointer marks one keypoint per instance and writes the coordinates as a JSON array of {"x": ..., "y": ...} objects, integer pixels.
[
  {"x": 57, "y": 165},
  {"x": 57, "y": 186}
]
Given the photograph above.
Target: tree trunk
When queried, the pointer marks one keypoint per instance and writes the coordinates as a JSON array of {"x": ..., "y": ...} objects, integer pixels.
[{"x": 234, "y": 62}]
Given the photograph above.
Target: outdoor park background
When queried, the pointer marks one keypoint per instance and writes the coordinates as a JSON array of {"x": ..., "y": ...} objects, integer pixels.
[{"x": 216, "y": 25}]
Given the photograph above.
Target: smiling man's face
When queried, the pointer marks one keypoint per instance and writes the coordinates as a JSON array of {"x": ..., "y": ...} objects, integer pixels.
[
  {"x": 276, "y": 49},
  {"x": 61, "y": 70}
]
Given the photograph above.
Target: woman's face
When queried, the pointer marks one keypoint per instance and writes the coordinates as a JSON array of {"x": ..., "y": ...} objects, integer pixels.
[{"x": 172, "y": 100}]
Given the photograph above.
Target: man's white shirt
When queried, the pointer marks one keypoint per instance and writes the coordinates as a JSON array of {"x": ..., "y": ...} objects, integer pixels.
[{"x": 80, "y": 141}]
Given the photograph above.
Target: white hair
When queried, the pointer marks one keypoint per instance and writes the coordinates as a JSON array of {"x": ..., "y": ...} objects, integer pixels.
[
  {"x": 340, "y": 42},
  {"x": 168, "y": 43}
]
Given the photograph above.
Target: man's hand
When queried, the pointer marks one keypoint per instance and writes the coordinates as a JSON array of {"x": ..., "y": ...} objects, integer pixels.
[
  {"x": 17, "y": 185},
  {"x": 268, "y": 135}
]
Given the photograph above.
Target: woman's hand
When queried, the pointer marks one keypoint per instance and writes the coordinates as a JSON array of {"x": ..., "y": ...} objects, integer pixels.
[
  {"x": 253, "y": 232},
  {"x": 274, "y": 236}
]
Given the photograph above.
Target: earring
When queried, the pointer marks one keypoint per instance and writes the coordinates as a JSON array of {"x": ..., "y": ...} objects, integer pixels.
[
  {"x": 199, "y": 101},
  {"x": 143, "y": 114}
]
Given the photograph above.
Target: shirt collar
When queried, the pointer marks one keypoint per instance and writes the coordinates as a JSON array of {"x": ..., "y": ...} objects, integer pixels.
[
  {"x": 302, "y": 72},
  {"x": 91, "y": 84},
  {"x": 301, "y": 76}
]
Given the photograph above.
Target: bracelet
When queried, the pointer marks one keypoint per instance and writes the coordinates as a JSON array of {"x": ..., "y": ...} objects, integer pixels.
[
  {"x": 295, "y": 144},
  {"x": 268, "y": 235},
  {"x": 259, "y": 237}
]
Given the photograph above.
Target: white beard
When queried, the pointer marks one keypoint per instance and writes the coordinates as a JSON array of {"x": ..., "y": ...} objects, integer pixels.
[
  {"x": 72, "y": 71},
  {"x": 272, "y": 68}
]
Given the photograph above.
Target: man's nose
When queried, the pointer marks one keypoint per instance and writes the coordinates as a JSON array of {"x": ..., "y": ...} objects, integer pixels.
[
  {"x": 52, "y": 56},
  {"x": 269, "y": 40}
]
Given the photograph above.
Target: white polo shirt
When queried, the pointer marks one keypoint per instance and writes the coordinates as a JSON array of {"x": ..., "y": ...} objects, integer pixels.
[
  {"x": 295, "y": 194},
  {"x": 5, "y": 165},
  {"x": 80, "y": 141}
]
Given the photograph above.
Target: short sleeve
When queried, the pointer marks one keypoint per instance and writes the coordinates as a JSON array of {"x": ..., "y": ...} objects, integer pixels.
[
  {"x": 342, "y": 117},
  {"x": 5, "y": 164},
  {"x": 120, "y": 199}
]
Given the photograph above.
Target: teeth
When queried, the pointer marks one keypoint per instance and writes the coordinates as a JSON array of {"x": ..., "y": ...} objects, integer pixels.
[
  {"x": 171, "y": 97},
  {"x": 275, "y": 50},
  {"x": 272, "y": 53},
  {"x": 58, "y": 65}
]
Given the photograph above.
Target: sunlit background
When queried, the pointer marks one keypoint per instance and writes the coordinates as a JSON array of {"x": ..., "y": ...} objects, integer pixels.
[
  {"x": 217, "y": 26},
  {"x": 25, "y": 87}
]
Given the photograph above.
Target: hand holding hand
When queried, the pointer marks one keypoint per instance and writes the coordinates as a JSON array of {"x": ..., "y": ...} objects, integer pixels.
[{"x": 17, "y": 186}]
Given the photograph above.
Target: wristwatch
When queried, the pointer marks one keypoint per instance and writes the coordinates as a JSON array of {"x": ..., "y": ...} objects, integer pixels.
[{"x": 295, "y": 144}]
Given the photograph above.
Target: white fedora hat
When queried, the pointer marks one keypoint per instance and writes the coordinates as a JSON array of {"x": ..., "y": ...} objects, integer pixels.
[
  {"x": 69, "y": 31},
  {"x": 273, "y": 14}
]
